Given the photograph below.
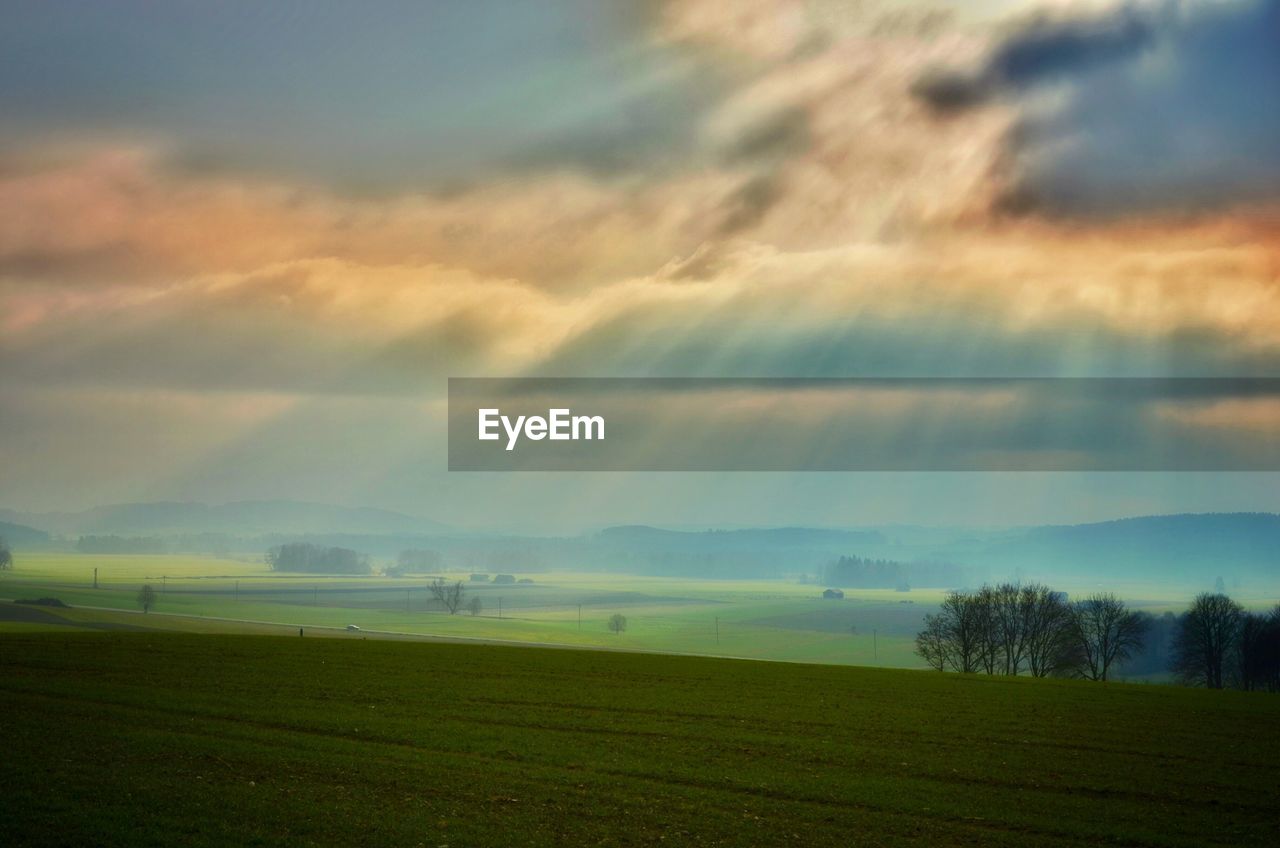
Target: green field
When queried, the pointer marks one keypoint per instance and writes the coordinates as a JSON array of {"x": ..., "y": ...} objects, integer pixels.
[
  {"x": 742, "y": 618},
  {"x": 164, "y": 739},
  {"x": 755, "y": 619}
]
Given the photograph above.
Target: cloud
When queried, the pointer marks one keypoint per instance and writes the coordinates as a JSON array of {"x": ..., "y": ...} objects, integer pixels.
[
  {"x": 109, "y": 214},
  {"x": 410, "y": 96},
  {"x": 1048, "y": 50},
  {"x": 824, "y": 221},
  {"x": 1169, "y": 108},
  {"x": 947, "y": 92},
  {"x": 1044, "y": 51},
  {"x": 857, "y": 241}
]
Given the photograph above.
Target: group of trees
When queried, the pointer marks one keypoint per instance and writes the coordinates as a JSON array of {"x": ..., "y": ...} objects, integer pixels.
[
  {"x": 1012, "y": 629},
  {"x": 6, "y": 555},
  {"x": 1015, "y": 629},
  {"x": 1217, "y": 644},
  {"x": 304, "y": 556}
]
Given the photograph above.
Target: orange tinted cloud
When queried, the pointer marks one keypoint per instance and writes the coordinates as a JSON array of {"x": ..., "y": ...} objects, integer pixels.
[{"x": 823, "y": 194}]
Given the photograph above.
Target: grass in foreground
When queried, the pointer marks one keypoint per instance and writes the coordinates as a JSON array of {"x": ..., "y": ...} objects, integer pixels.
[{"x": 162, "y": 739}]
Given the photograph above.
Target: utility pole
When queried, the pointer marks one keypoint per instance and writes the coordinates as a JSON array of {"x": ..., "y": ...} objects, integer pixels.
[
  {"x": 499, "y": 609},
  {"x": 95, "y": 578},
  {"x": 875, "y": 649},
  {"x": 406, "y": 600},
  {"x": 717, "y": 630},
  {"x": 237, "y": 591},
  {"x": 315, "y": 596},
  {"x": 579, "y": 616}
]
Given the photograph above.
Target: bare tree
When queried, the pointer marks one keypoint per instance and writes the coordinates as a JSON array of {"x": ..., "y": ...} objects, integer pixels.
[
  {"x": 933, "y": 644},
  {"x": 448, "y": 594},
  {"x": 1047, "y": 622},
  {"x": 1002, "y": 629},
  {"x": 476, "y": 605},
  {"x": 987, "y": 629},
  {"x": 966, "y": 624},
  {"x": 1259, "y": 652},
  {"x": 1207, "y": 636},
  {"x": 1105, "y": 632},
  {"x": 1009, "y": 626},
  {"x": 617, "y": 623},
  {"x": 6, "y": 555},
  {"x": 146, "y": 597}
]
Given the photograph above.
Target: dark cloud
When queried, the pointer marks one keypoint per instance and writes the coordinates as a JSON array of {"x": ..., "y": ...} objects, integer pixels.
[
  {"x": 1164, "y": 109},
  {"x": 947, "y": 92},
  {"x": 1049, "y": 50},
  {"x": 1044, "y": 51}
]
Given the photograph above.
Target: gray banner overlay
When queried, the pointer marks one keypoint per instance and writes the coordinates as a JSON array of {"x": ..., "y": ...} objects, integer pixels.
[{"x": 864, "y": 424}]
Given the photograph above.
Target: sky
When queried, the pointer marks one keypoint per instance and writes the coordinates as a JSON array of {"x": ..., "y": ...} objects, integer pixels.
[{"x": 243, "y": 246}]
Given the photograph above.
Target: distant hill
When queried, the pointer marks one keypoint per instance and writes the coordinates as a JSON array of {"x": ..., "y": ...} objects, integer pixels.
[
  {"x": 1187, "y": 550},
  {"x": 239, "y": 518},
  {"x": 1190, "y": 550},
  {"x": 1193, "y": 548},
  {"x": 20, "y": 536},
  {"x": 773, "y": 538},
  {"x": 765, "y": 552}
]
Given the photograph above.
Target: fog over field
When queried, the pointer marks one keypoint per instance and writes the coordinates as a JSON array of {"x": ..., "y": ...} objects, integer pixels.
[
  {"x": 848, "y": 596},
  {"x": 1184, "y": 550}
]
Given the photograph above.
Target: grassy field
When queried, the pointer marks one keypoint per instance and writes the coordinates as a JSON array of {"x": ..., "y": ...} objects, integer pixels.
[
  {"x": 163, "y": 739},
  {"x": 757, "y": 619},
  {"x": 745, "y": 618}
]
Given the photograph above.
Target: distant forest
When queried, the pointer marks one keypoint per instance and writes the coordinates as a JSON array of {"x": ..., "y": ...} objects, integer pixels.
[
  {"x": 858, "y": 573},
  {"x": 304, "y": 556}
]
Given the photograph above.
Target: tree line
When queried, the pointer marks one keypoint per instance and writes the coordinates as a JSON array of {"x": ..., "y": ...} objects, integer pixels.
[
  {"x": 1031, "y": 629},
  {"x": 862, "y": 573},
  {"x": 1218, "y": 645},
  {"x": 305, "y": 556},
  {"x": 1012, "y": 629}
]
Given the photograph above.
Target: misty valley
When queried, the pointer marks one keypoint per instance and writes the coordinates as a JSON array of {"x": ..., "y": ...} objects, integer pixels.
[{"x": 458, "y": 685}]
